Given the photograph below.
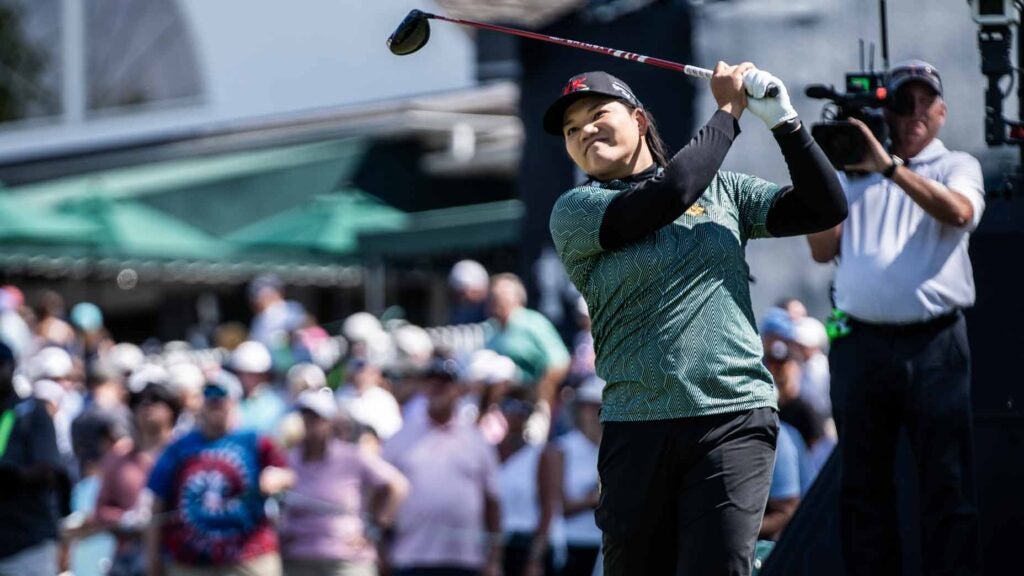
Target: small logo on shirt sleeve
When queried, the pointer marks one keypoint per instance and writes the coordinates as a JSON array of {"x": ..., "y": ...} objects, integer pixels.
[{"x": 695, "y": 210}]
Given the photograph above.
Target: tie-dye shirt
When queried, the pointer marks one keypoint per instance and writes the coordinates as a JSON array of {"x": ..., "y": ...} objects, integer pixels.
[{"x": 210, "y": 490}]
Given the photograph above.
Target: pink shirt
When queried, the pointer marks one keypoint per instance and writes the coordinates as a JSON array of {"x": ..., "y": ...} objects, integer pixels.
[
  {"x": 450, "y": 469},
  {"x": 323, "y": 514}
]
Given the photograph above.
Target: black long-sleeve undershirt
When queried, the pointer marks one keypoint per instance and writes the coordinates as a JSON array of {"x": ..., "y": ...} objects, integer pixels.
[
  {"x": 813, "y": 203},
  {"x": 656, "y": 200}
]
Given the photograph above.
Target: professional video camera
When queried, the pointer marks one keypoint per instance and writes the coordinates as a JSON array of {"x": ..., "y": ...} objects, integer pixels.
[{"x": 865, "y": 95}]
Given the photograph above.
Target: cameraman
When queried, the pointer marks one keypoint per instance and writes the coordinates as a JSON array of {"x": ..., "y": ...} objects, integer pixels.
[{"x": 903, "y": 278}]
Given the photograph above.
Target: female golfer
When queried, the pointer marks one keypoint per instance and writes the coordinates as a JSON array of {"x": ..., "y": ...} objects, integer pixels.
[{"x": 656, "y": 246}]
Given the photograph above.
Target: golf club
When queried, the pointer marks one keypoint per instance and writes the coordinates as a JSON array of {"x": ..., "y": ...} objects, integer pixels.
[{"x": 414, "y": 32}]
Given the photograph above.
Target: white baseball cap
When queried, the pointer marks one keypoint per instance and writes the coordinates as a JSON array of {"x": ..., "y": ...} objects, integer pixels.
[
  {"x": 147, "y": 374},
  {"x": 126, "y": 357},
  {"x": 305, "y": 376},
  {"x": 319, "y": 401},
  {"x": 251, "y": 357},
  {"x": 359, "y": 326},
  {"x": 185, "y": 376},
  {"x": 468, "y": 275},
  {"x": 51, "y": 363}
]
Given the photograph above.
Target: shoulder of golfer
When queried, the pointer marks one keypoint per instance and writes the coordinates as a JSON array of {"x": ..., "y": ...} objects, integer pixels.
[{"x": 815, "y": 200}]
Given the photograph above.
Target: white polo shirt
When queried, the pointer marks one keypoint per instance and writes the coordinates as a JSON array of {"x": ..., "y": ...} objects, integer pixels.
[{"x": 897, "y": 264}]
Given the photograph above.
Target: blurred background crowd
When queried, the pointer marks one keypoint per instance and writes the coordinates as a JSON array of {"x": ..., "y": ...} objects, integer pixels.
[{"x": 373, "y": 446}]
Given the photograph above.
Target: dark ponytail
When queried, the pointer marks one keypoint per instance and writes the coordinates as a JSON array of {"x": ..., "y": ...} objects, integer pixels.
[{"x": 654, "y": 142}]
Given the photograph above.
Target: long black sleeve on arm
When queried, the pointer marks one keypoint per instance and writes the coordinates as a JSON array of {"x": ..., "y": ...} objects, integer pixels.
[
  {"x": 657, "y": 201},
  {"x": 815, "y": 201}
]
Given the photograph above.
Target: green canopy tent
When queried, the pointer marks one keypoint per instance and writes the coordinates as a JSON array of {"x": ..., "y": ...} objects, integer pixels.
[
  {"x": 329, "y": 224},
  {"x": 20, "y": 224},
  {"x": 447, "y": 230},
  {"x": 127, "y": 228}
]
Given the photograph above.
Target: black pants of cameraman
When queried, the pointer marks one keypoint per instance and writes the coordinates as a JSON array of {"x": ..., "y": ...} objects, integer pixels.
[{"x": 888, "y": 377}]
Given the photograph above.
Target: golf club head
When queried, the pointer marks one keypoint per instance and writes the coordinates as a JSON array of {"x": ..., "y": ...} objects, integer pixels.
[{"x": 411, "y": 35}]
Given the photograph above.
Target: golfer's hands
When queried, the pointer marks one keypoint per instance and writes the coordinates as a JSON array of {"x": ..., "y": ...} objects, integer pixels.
[
  {"x": 727, "y": 87},
  {"x": 774, "y": 110},
  {"x": 876, "y": 159}
]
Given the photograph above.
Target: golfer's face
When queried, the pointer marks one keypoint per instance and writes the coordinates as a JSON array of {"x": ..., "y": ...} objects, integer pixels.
[{"x": 602, "y": 136}]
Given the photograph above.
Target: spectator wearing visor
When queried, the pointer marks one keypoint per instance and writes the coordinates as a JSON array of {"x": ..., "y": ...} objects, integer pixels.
[
  {"x": 326, "y": 525},
  {"x": 451, "y": 522},
  {"x": 209, "y": 493},
  {"x": 903, "y": 279},
  {"x": 30, "y": 468}
]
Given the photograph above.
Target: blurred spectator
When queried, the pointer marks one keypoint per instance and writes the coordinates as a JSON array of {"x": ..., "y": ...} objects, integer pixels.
[
  {"x": 810, "y": 339},
  {"x": 530, "y": 484},
  {"x": 813, "y": 444},
  {"x": 323, "y": 529},
  {"x": 262, "y": 407},
  {"x": 366, "y": 401},
  {"x": 300, "y": 378},
  {"x": 794, "y": 308},
  {"x": 494, "y": 374},
  {"x": 272, "y": 317},
  {"x": 94, "y": 434},
  {"x": 230, "y": 335},
  {"x": 51, "y": 329},
  {"x": 186, "y": 381},
  {"x": 14, "y": 331},
  {"x": 361, "y": 329},
  {"x": 93, "y": 340},
  {"x": 580, "y": 481},
  {"x": 209, "y": 492},
  {"x": 784, "y": 494},
  {"x": 468, "y": 281},
  {"x": 55, "y": 364},
  {"x": 528, "y": 338},
  {"x": 30, "y": 467},
  {"x": 583, "y": 356},
  {"x": 125, "y": 358},
  {"x": 122, "y": 506},
  {"x": 450, "y": 521}
]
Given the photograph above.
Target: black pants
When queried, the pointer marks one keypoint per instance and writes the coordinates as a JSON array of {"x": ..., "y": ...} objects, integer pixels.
[
  {"x": 580, "y": 560},
  {"x": 685, "y": 496},
  {"x": 885, "y": 378}
]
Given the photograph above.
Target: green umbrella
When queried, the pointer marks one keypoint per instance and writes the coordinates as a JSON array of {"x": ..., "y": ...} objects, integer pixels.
[
  {"x": 130, "y": 229},
  {"x": 21, "y": 224},
  {"x": 328, "y": 224}
]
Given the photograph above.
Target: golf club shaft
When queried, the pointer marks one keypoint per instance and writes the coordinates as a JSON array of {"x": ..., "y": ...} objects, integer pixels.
[{"x": 684, "y": 68}]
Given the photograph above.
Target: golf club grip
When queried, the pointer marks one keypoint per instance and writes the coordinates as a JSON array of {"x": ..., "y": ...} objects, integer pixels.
[
  {"x": 668, "y": 64},
  {"x": 771, "y": 92}
]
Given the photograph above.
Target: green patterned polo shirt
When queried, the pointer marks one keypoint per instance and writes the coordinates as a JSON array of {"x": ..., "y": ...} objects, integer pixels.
[{"x": 673, "y": 327}]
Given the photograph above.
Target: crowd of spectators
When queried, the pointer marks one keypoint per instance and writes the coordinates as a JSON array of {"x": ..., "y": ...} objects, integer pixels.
[{"x": 293, "y": 450}]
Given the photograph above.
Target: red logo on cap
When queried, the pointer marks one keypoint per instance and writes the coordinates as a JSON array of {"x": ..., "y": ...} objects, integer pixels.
[{"x": 575, "y": 85}]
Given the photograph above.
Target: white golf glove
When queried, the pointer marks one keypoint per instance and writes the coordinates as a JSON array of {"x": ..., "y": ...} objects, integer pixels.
[{"x": 774, "y": 110}]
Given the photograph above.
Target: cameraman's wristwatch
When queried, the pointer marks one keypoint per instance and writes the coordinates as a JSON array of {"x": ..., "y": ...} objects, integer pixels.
[{"x": 896, "y": 163}]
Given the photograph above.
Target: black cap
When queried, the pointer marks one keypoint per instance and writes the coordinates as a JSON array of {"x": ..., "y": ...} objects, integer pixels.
[
  {"x": 581, "y": 86},
  {"x": 914, "y": 71}
]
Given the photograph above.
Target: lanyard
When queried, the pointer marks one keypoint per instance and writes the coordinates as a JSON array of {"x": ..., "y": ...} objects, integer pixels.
[{"x": 6, "y": 424}]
